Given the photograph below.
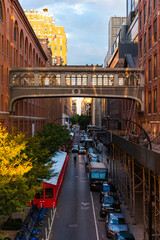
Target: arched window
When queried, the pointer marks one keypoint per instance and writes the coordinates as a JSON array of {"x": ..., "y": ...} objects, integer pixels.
[
  {"x": 94, "y": 80},
  {"x": 46, "y": 80},
  {"x": 41, "y": 79},
  {"x": 131, "y": 80},
  {"x": 26, "y": 46},
  {"x": 100, "y": 80},
  {"x": 120, "y": 80},
  {"x": 31, "y": 79},
  {"x": 52, "y": 79},
  {"x": 58, "y": 79},
  {"x": 15, "y": 31},
  {"x": 111, "y": 79},
  {"x": 84, "y": 80},
  {"x": 105, "y": 80},
  {"x": 30, "y": 52},
  {"x": 21, "y": 39},
  {"x": 1, "y": 12},
  {"x": 68, "y": 80},
  {"x": 34, "y": 57},
  {"x": 79, "y": 82},
  {"x": 73, "y": 80}
]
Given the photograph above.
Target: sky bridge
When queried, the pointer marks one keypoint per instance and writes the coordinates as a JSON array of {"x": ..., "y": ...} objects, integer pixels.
[{"x": 77, "y": 81}]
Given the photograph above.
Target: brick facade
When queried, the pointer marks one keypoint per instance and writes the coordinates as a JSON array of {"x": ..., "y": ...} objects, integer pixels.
[
  {"x": 19, "y": 47},
  {"x": 149, "y": 58}
]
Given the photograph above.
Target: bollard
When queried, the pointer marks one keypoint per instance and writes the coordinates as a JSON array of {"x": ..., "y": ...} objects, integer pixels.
[
  {"x": 46, "y": 233},
  {"x": 49, "y": 224}
]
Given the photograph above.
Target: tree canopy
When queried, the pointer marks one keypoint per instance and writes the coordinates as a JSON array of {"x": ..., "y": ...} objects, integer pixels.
[{"x": 25, "y": 163}]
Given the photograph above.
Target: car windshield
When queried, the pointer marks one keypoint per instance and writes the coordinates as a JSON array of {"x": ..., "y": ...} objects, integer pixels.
[
  {"x": 108, "y": 200},
  {"x": 75, "y": 146},
  {"x": 117, "y": 220},
  {"x": 82, "y": 148}
]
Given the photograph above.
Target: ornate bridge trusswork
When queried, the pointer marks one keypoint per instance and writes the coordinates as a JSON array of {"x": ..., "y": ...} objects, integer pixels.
[{"x": 77, "y": 81}]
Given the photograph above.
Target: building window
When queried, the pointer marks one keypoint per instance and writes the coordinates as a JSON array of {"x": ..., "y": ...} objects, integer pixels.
[
  {"x": 145, "y": 13},
  {"x": 1, "y": 12},
  {"x": 15, "y": 31},
  {"x": 94, "y": 80},
  {"x": 149, "y": 102},
  {"x": 60, "y": 48},
  {"x": 154, "y": 3},
  {"x": 84, "y": 80},
  {"x": 155, "y": 65},
  {"x": 140, "y": 48},
  {"x": 55, "y": 48},
  {"x": 61, "y": 40},
  {"x": 155, "y": 30},
  {"x": 1, "y": 102},
  {"x": 46, "y": 29},
  {"x": 2, "y": 73},
  {"x": 78, "y": 79},
  {"x": 59, "y": 31},
  {"x": 155, "y": 100},
  {"x": 73, "y": 80},
  {"x": 58, "y": 79},
  {"x": 145, "y": 43},
  {"x": 150, "y": 37},
  {"x": 140, "y": 20},
  {"x": 68, "y": 80},
  {"x": 105, "y": 80},
  {"x": 150, "y": 70},
  {"x": 100, "y": 80},
  {"x": 120, "y": 80},
  {"x": 149, "y": 8}
]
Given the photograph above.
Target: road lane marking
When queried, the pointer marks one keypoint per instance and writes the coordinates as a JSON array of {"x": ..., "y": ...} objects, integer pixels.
[{"x": 94, "y": 215}]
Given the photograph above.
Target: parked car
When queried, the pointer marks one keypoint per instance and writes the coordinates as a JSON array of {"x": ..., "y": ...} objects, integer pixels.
[
  {"x": 82, "y": 150},
  {"x": 81, "y": 139},
  {"x": 75, "y": 149},
  {"x": 94, "y": 157},
  {"x": 108, "y": 188},
  {"x": 89, "y": 151},
  {"x": 123, "y": 236},
  {"x": 110, "y": 204},
  {"x": 115, "y": 222}
]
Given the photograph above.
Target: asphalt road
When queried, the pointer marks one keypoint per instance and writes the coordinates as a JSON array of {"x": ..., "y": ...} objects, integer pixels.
[{"x": 77, "y": 215}]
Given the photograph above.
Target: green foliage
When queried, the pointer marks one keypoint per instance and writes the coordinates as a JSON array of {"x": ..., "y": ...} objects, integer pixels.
[
  {"x": 74, "y": 119},
  {"x": 25, "y": 163},
  {"x": 83, "y": 122}
]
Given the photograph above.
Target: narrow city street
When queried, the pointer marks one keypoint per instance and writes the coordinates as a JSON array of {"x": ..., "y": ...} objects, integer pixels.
[{"x": 77, "y": 215}]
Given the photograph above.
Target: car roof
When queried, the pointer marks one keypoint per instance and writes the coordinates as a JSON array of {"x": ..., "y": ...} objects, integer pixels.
[{"x": 117, "y": 215}]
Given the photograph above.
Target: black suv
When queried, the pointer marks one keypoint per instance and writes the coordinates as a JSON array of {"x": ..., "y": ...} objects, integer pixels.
[{"x": 110, "y": 204}]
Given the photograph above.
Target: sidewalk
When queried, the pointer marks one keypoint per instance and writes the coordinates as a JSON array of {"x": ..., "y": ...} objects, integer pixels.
[{"x": 136, "y": 229}]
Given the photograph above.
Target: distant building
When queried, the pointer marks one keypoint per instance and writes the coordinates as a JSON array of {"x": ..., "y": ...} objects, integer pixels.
[
  {"x": 43, "y": 25},
  {"x": 114, "y": 25},
  {"x": 86, "y": 106},
  {"x": 74, "y": 106},
  {"x": 124, "y": 53}
]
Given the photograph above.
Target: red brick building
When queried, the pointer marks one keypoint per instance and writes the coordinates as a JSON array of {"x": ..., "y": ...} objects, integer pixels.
[
  {"x": 19, "y": 47},
  {"x": 149, "y": 58}
]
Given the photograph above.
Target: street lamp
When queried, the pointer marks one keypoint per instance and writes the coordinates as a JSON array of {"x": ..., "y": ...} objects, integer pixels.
[{"x": 150, "y": 147}]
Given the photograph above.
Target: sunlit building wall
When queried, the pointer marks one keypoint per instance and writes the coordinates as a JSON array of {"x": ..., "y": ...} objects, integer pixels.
[{"x": 43, "y": 25}]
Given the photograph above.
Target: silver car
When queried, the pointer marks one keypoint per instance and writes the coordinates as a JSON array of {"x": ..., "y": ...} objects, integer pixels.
[{"x": 115, "y": 222}]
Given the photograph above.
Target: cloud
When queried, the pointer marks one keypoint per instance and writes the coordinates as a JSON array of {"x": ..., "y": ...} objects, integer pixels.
[{"x": 78, "y": 8}]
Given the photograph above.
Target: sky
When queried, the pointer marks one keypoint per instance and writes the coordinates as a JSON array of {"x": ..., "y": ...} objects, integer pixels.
[{"x": 85, "y": 23}]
